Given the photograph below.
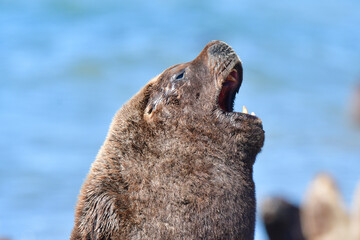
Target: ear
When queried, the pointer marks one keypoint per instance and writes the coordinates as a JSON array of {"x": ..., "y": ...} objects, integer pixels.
[
  {"x": 323, "y": 214},
  {"x": 150, "y": 101},
  {"x": 136, "y": 106},
  {"x": 154, "y": 103},
  {"x": 149, "y": 110}
]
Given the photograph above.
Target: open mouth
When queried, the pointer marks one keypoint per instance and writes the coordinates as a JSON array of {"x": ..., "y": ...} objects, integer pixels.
[{"x": 230, "y": 87}]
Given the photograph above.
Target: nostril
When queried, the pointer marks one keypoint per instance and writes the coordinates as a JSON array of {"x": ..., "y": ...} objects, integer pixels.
[{"x": 219, "y": 49}]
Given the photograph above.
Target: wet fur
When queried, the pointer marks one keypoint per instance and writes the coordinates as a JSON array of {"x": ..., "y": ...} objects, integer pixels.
[{"x": 174, "y": 166}]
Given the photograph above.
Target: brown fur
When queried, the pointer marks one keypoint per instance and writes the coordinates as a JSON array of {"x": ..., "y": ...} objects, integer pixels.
[{"x": 174, "y": 165}]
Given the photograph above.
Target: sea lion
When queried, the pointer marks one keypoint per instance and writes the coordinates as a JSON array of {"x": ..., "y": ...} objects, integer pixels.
[
  {"x": 323, "y": 212},
  {"x": 281, "y": 219},
  {"x": 323, "y": 215},
  {"x": 177, "y": 162},
  {"x": 355, "y": 214}
]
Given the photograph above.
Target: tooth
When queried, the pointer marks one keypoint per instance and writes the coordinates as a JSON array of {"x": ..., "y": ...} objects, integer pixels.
[
  {"x": 245, "y": 110},
  {"x": 253, "y": 113}
]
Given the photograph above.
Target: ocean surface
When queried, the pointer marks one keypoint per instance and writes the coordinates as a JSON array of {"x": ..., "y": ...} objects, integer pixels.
[{"x": 67, "y": 66}]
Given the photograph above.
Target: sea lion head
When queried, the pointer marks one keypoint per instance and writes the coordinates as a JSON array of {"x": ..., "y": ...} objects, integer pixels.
[{"x": 202, "y": 92}]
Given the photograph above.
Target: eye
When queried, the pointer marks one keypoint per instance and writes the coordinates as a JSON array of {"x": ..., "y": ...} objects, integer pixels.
[{"x": 181, "y": 75}]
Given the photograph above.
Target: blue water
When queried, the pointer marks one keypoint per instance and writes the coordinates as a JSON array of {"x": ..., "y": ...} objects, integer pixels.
[{"x": 67, "y": 66}]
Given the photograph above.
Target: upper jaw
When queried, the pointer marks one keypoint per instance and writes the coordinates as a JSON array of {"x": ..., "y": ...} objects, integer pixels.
[
  {"x": 233, "y": 73},
  {"x": 230, "y": 80},
  {"x": 225, "y": 66}
]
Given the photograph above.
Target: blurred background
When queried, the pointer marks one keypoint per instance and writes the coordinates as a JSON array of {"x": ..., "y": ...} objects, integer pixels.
[{"x": 67, "y": 66}]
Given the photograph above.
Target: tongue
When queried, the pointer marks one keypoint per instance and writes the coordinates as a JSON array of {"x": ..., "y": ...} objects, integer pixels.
[
  {"x": 229, "y": 86},
  {"x": 225, "y": 97}
]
